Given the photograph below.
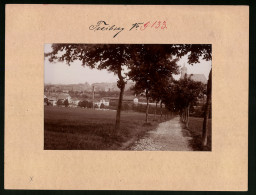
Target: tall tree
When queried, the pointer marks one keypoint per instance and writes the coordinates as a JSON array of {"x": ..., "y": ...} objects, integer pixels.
[
  {"x": 207, "y": 110},
  {"x": 160, "y": 92},
  {"x": 101, "y": 56},
  {"x": 151, "y": 65},
  {"x": 186, "y": 92},
  {"x": 195, "y": 53}
]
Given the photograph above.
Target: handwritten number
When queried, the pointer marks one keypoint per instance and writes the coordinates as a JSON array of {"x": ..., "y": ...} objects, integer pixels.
[
  {"x": 158, "y": 24},
  {"x": 164, "y": 25},
  {"x": 153, "y": 24},
  {"x": 145, "y": 26}
]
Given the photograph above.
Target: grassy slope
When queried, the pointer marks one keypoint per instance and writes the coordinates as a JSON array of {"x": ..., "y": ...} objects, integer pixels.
[
  {"x": 195, "y": 128},
  {"x": 79, "y": 129}
]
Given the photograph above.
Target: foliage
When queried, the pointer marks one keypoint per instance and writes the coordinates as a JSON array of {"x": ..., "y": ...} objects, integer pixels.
[
  {"x": 151, "y": 66},
  {"x": 151, "y": 70},
  {"x": 102, "y": 106},
  {"x": 59, "y": 103},
  {"x": 46, "y": 101},
  {"x": 85, "y": 104},
  {"x": 77, "y": 94},
  {"x": 65, "y": 103},
  {"x": 186, "y": 92}
]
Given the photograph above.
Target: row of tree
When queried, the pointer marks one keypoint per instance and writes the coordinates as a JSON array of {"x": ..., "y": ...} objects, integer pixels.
[
  {"x": 150, "y": 66},
  {"x": 185, "y": 94}
]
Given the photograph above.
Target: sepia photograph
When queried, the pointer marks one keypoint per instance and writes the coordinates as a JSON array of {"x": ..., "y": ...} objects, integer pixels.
[
  {"x": 134, "y": 97},
  {"x": 96, "y": 100}
]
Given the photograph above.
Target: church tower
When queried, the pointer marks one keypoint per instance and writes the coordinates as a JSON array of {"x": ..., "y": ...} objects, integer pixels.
[{"x": 183, "y": 71}]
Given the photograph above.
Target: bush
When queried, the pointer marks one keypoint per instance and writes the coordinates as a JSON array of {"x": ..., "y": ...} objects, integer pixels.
[
  {"x": 59, "y": 103},
  {"x": 102, "y": 106},
  {"x": 66, "y": 103},
  {"x": 82, "y": 104},
  {"x": 85, "y": 104},
  {"x": 89, "y": 105}
]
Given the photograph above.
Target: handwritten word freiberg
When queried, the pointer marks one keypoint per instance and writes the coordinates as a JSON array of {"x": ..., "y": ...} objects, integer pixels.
[{"x": 103, "y": 26}]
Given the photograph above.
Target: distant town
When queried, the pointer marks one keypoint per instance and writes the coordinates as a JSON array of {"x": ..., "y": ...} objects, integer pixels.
[{"x": 96, "y": 95}]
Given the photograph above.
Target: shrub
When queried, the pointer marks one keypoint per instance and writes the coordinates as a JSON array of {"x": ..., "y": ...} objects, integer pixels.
[
  {"x": 102, "y": 106},
  {"x": 66, "y": 103}
]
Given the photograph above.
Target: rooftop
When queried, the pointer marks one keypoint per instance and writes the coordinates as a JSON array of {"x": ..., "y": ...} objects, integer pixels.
[{"x": 198, "y": 77}]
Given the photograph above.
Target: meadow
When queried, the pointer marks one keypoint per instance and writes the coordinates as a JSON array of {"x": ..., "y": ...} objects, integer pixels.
[
  {"x": 195, "y": 129},
  {"x": 88, "y": 129}
]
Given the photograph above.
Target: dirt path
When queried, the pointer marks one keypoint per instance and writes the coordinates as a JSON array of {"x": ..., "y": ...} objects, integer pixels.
[{"x": 169, "y": 136}]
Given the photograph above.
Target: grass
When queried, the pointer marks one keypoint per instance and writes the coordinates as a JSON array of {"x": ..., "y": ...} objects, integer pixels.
[
  {"x": 87, "y": 129},
  {"x": 195, "y": 129}
]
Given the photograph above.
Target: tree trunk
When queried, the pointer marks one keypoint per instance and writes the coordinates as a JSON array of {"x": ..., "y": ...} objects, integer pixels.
[
  {"x": 121, "y": 86},
  {"x": 118, "y": 113},
  {"x": 186, "y": 115},
  {"x": 161, "y": 112},
  {"x": 187, "y": 122},
  {"x": 155, "y": 112},
  {"x": 183, "y": 115},
  {"x": 207, "y": 109},
  {"x": 147, "y": 106}
]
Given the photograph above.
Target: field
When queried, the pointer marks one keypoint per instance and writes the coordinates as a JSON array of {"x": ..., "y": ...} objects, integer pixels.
[
  {"x": 87, "y": 129},
  {"x": 195, "y": 129}
]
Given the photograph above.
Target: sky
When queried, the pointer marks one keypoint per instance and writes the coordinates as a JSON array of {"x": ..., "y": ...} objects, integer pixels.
[{"x": 61, "y": 73}]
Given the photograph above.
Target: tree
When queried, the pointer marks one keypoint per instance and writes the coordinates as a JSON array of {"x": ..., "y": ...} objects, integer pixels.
[
  {"x": 66, "y": 103},
  {"x": 102, "y": 106},
  {"x": 111, "y": 57},
  {"x": 89, "y": 104},
  {"x": 162, "y": 92},
  {"x": 83, "y": 104},
  {"x": 151, "y": 64},
  {"x": 207, "y": 110},
  {"x": 195, "y": 52},
  {"x": 59, "y": 103},
  {"x": 186, "y": 93},
  {"x": 46, "y": 101}
]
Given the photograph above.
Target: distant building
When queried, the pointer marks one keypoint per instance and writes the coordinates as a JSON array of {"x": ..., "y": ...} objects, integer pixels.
[
  {"x": 63, "y": 97},
  {"x": 53, "y": 97},
  {"x": 74, "y": 102},
  {"x": 199, "y": 78},
  {"x": 52, "y": 101},
  {"x": 195, "y": 77},
  {"x": 135, "y": 100},
  {"x": 103, "y": 101}
]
